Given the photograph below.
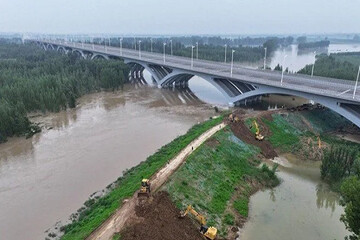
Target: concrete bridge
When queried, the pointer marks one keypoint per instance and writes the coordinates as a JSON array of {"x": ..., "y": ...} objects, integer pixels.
[{"x": 235, "y": 83}]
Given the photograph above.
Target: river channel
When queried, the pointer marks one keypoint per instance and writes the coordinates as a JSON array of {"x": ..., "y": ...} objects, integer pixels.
[{"x": 46, "y": 178}]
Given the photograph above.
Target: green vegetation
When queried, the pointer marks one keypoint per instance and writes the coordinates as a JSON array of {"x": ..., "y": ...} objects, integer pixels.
[
  {"x": 32, "y": 79},
  {"x": 284, "y": 135},
  {"x": 210, "y": 48},
  {"x": 99, "y": 210},
  {"x": 319, "y": 44},
  {"x": 340, "y": 65},
  {"x": 350, "y": 192},
  {"x": 338, "y": 162},
  {"x": 216, "y": 178}
]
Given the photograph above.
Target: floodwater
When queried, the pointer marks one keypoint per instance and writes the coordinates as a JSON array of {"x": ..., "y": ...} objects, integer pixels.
[
  {"x": 297, "y": 59},
  {"x": 46, "y": 178},
  {"x": 301, "y": 207}
]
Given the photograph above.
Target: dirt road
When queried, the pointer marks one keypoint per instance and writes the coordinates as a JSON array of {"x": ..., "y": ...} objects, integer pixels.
[{"x": 116, "y": 222}]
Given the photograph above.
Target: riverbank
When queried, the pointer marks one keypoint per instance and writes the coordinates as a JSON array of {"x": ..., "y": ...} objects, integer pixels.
[
  {"x": 219, "y": 178},
  {"x": 99, "y": 210}
]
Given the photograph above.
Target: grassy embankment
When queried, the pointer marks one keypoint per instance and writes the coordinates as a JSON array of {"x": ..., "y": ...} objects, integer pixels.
[
  {"x": 98, "y": 211},
  {"x": 218, "y": 179},
  {"x": 297, "y": 132}
]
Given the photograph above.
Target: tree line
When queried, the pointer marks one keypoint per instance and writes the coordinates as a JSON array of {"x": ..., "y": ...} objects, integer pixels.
[
  {"x": 341, "y": 166},
  {"x": 32, "y": 79},
  {"x": 340, "y": 65},
  {"x": 210, "y": 48}
]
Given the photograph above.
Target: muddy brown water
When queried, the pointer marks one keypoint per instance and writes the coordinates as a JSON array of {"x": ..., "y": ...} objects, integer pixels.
[
  {"x": 46, "y": 178},
  {"x": 301, "y": 207}
]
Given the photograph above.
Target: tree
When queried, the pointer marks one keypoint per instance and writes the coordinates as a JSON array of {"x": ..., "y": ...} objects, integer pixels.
[
  {"x": 338, "y": 162},
  {"x": 350, "y": 192},
  {"x": 301, "y": 39}
]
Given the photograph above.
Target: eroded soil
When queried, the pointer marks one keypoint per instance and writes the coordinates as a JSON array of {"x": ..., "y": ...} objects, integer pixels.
[{"x": 158, "y": 219}]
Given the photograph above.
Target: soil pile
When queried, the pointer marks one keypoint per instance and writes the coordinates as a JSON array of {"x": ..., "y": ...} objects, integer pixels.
[
  {"x": 241, "y": 131},
  {"x": 158, "y": 219}
]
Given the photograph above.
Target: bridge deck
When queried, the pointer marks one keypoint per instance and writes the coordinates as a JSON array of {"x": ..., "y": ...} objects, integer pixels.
[{"x": 334, "y": 88}]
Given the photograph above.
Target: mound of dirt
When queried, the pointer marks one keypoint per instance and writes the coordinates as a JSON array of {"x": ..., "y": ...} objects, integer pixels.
[
  {"x": 241, "y": 131},
  {"x": 158, "y": 219}
]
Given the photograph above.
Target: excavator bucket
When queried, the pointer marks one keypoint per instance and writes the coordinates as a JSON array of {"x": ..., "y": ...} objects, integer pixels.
[{"x": 143, "y": 195}]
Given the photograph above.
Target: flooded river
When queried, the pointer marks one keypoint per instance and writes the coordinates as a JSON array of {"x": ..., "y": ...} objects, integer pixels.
[
  {"x": 46, "y": 178},
  {"x": 301, "y": 207}
]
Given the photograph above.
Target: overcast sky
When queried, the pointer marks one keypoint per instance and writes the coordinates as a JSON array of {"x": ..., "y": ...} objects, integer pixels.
[{"x": 180, "y": 16}]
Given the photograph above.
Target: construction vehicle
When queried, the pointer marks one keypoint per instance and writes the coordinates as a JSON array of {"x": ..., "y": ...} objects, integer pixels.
[
  {"x": 145, "y": 188},
  {"x": 208, "y": 233},
  {"x": 258, "y": 136}
]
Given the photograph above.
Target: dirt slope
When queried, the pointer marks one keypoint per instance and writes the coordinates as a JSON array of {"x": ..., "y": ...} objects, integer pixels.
[{"x": 160, "y": 221}]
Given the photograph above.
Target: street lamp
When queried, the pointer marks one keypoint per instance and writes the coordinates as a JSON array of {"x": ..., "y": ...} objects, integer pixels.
[
  {"x": 225, "y": 53},
  {"x": 356, "y": 83},
  {"x": 164, "y": 44},
  {"x": 135, "y": 43},
  {"x": 265, "y": 58},
  {"x": 121, "y": 46},
  {"x": 105, "y": 45},
  {"x": 151, "y": 42},
  {"x": 312, "y": 69},
  {"x": 282, "y": 72},
  {"x": 197, "y": 50},
  {"x": 171, "y": 49},
  {"x": 232, "y": 62},
  {"x": 192, "y": 56},
  {"x": 140, "y": 49},
  {"x": 92, "y": 41}
]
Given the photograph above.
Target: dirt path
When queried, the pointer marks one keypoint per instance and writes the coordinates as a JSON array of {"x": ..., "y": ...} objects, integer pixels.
[{"x": 116, "y": 221}]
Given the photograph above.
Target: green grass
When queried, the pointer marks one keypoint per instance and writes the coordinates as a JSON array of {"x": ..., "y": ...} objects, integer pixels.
[
  {"x": 284, "y": 135},
  {"x": 210, "y": 175},
  {"x": 242, "y": 206},
  {"x": 116, "y": 236},
  {"x": 98, "y": 211}
]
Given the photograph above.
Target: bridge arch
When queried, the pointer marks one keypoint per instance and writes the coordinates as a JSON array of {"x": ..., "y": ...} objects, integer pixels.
[
  {"x": 154, "y": 76},
  {"x": 99, "y": 55},
  {"x": 344, "y": 108},
  {"x": 79, "y": 52}
]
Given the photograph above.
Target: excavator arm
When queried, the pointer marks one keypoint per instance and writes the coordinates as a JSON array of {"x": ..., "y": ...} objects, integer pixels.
[{"x": 197, "y": 215}]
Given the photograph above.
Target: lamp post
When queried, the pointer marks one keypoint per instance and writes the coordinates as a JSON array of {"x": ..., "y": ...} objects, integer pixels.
[
  {"x": 164, "y": 44},
  {"x": 121, "y": 53},
  {"x": 151, "y": 42},
  {"x": 312, "y": 69},
  {"x": 232, "y": 62},
  {"x": 135, "y": 43},
  {"x": 197, "y": 50},
  {"x": 356, "y": 83},
  {"x": 192, "y": 56},
  {"x": 140, "y": 49},
  {"x": 225, "y": 53},
  {"x": 265, "y": 58},
  {"x": 92, "y": 41},
  {"x": 105, "y": 45},
  {"x": 171, "y": 48},
  {"x": 283, "y": 70}
]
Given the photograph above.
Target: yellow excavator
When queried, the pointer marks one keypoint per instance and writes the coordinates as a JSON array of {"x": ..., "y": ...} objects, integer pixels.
[
  {"x": 258, "y": 136},
  {"x": 208, "y": 233},
  {"x": 145, "y": 188}
]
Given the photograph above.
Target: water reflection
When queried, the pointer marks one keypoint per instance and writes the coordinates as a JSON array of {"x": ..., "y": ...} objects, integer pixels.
[{"x": 325, "y": 198}]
